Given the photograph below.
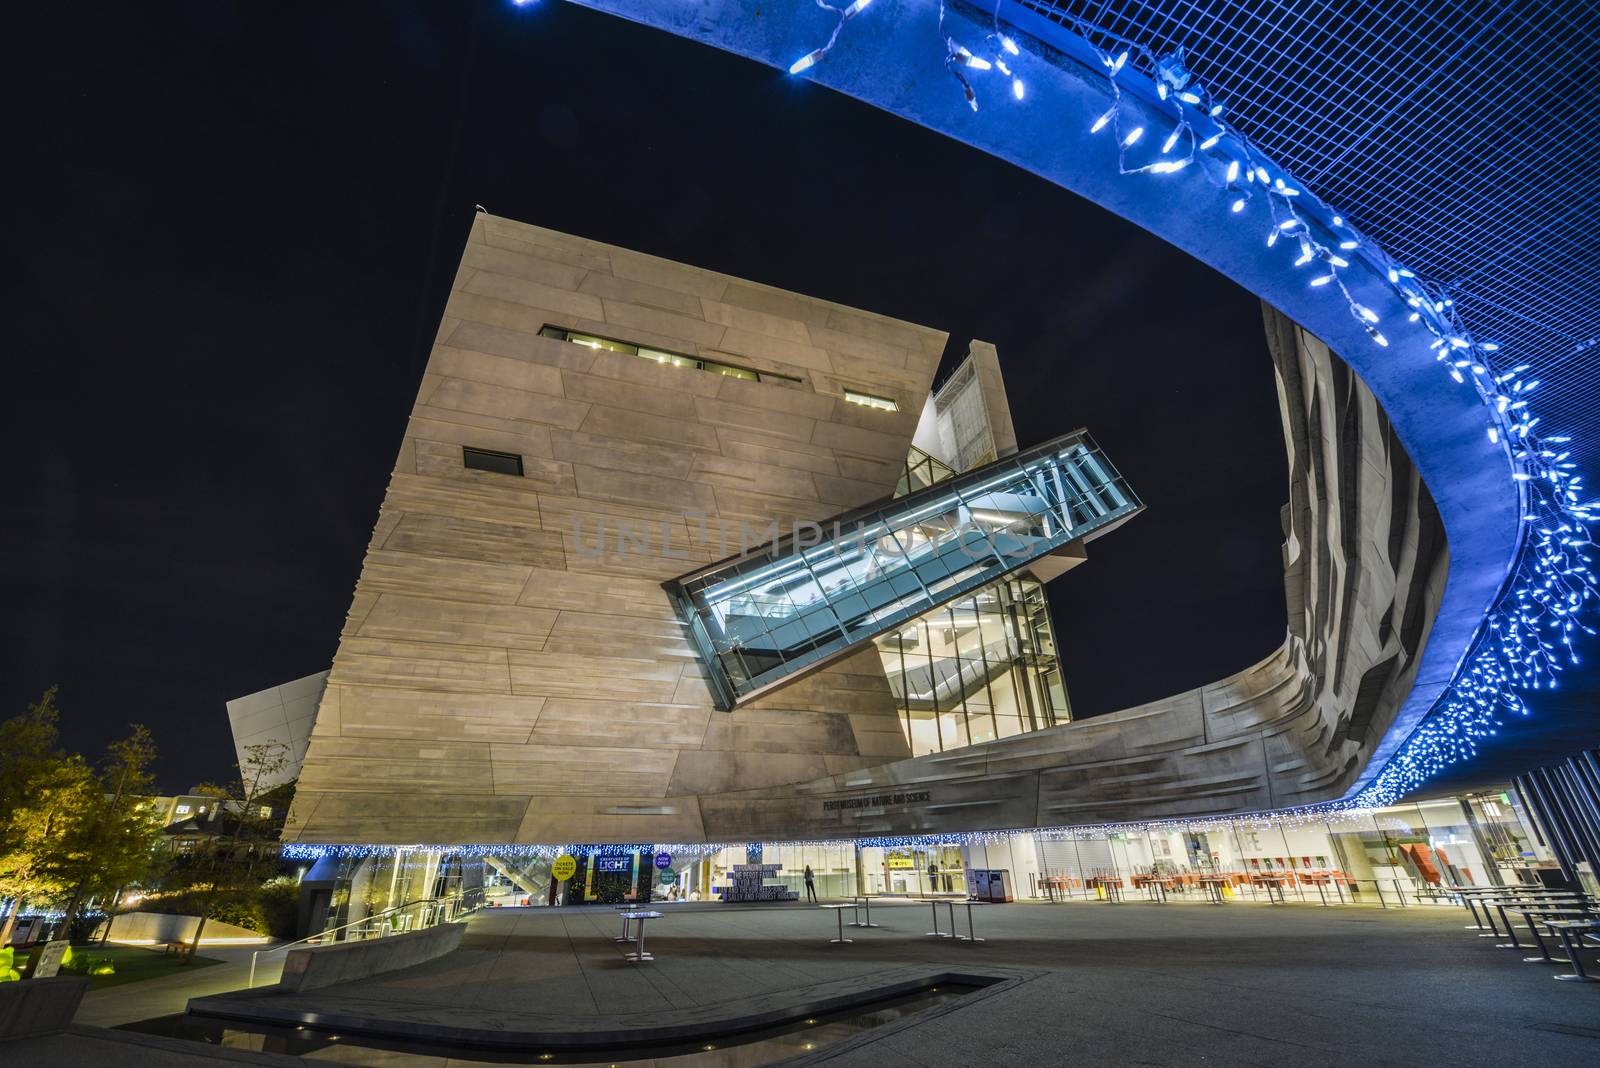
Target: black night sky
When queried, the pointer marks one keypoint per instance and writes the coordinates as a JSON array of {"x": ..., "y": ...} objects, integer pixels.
[{"x": 237, "y": 227}]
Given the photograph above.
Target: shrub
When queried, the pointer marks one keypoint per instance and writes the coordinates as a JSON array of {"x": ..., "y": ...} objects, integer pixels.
[
  {"x": 241, "y": 911},
  {"x": 85, "y": 964},
  {"x": 279, "y": 902}
]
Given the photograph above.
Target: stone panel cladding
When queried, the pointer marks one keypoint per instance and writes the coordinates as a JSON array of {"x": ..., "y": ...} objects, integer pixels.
[{"x": 499, "y": 678}]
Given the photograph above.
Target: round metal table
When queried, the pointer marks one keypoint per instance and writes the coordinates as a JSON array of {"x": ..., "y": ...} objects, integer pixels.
[{"x": 639, "y": 917}]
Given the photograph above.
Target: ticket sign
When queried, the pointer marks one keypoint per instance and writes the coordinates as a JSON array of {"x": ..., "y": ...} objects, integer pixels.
[
  {"x": 663, "y": 861},
  {"x": 564, "y": 868}
]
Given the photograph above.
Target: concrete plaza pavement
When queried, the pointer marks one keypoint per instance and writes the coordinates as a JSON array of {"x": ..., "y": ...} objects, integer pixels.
[
  {"x": 1120, "y": 983},
  {"x": 169, "y": 994}
]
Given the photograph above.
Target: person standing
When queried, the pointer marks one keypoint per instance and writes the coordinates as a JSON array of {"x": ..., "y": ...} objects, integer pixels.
[{"x": 811, "y": 884}]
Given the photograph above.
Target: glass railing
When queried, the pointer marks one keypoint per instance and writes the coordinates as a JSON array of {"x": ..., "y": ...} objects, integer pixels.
[{"x": 792, "y": 605}]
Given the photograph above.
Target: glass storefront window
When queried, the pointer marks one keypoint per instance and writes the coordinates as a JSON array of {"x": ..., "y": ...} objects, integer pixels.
[
  {"x": 1407, "y": 854},
  {"x": 1455, "y": 844}
]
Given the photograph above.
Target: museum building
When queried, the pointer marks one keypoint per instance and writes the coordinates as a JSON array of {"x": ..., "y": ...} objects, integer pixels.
[{"x": 675, "y": 564}]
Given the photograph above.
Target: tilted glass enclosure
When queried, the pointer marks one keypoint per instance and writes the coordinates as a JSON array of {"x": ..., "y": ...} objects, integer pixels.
[
  {"x": 981, "y": 667},
  {"x": 760, "y": 618}
]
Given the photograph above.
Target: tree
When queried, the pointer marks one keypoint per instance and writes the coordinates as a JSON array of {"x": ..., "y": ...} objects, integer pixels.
[
  {"x": 30, "y": 744},
  {"x": 40, "y": 786},
  {"x": 106, "y": 840},
  {"x": 234, "y": 865}
]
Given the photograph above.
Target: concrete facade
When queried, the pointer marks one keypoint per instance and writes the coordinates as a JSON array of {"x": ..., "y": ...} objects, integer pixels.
[
  {"x": 278, "y": 715},
  {"x": 966, "y": 422},
  {"x": 508, "y": 674},
  {"x": 1365, "y": 563},
  {"x": 498, "y": 678}
]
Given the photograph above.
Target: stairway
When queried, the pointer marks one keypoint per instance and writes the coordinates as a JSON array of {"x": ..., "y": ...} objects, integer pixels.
[
  {"x": 784, "y": 609},
  {"x": 522, "y": 878}
]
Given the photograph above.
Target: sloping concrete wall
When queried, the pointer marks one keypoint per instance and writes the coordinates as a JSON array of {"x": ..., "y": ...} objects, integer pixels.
[
  {"x": 143, "y": 928},
  {"x": 318, "y": 966}
]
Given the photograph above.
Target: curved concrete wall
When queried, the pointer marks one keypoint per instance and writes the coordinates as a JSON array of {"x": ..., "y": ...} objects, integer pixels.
[
  {"x": 1364, "y": 569},
  {"x": 319, "y": 966}
]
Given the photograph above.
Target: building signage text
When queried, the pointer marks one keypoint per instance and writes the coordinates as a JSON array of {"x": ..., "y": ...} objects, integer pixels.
[{"x": 876, "y": 801}]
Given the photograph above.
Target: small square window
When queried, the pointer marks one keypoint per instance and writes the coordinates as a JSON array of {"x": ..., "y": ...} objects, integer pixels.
[{"x": 501, "y": 463}]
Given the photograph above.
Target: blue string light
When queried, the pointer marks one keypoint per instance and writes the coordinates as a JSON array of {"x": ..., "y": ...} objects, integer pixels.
[
  {"x": 1526, "y": 638},
  {"x": 1291, "y": 818}
]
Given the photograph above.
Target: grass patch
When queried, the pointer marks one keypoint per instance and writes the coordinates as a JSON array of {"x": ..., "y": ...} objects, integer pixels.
[{"x": 132, "y": 964}]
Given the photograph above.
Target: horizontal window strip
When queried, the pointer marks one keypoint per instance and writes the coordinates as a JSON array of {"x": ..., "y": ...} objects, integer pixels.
[{"x": 671, "y": 359}]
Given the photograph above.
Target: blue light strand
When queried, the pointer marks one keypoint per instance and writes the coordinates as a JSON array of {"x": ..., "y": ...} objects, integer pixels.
[
  {"x": 1526, "y": 638},
  {"x": 1291, "y": 818},
  {"x": 813, "y": 57}
]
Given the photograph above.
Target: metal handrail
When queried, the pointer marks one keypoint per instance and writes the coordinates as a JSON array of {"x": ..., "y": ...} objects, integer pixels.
[{"x": 454, "y": 899}]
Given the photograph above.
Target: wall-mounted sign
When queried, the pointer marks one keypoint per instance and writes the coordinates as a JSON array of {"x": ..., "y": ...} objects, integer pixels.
[
  {"x": 663, "y": 860},
  {"x": 564, "y": 868},
  {"x": 901, "y": 862},
  {"x": 613, "y": 863},
  {"x": 913, "y": 797}
]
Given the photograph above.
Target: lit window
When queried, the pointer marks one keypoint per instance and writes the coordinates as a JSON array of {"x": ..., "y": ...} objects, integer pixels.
[
  {"x": 265, "y": 811},
  {"x": 870, "y": 401},
  {"x": 182, "y": 810},
  {"x": 589, "y": 341},
  {"x": 671, "y": 359},
  {"x": 501, "y": 463},
  {"x": 730, "y": 371}
]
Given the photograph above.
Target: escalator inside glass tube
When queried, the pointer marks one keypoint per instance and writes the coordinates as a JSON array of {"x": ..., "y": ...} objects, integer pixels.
[{"x": 782, "y": 609}]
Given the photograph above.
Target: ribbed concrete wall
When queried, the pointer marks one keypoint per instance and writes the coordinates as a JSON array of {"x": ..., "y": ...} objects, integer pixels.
[{"x": 1364, "y": 570}]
